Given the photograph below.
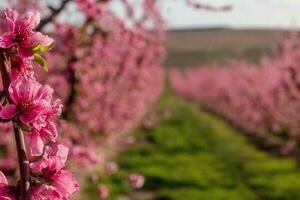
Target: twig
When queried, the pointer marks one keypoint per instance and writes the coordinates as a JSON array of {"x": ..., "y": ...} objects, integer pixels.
[
  {"x": 55, "y": 12},
  {"x": 19, "y": 137}
]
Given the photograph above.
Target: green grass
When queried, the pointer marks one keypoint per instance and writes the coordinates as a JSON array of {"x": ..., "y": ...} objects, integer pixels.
[
  {"x": 193, "y": 155},
  {"x": 196, "y": 58}
]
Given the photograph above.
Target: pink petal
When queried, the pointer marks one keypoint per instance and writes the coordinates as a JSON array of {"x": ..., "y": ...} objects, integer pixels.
[
  {"x": 33, "y": 113},
  {"x": 33, "y": 19},
  {"x": 8, "y": 111},
  {"x": 62, "y": 153},
  {"x": 25, "y": 52},
  {"x": 65, "y": 183},
  {"x": 6, "y": 40},
  {"x": 44, "y": 92},
  {"x": 43, "y": 40},
  {"x": 3, "y": 179},
  {"x": 36, "y": 144},
  {"x": 11, "y": 16}
]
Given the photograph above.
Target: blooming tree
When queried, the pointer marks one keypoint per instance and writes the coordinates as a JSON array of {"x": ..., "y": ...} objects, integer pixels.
[
  {"x": 28, "y": 106},
  {"x": 107, "y": 70},
  {"x": 263, "y": 100}
]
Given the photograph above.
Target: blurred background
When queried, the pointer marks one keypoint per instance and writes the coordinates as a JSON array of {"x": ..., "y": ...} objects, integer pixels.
[{"x": 209, "y": 92}]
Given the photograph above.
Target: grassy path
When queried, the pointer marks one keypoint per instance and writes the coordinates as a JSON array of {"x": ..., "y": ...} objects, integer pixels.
[{"x": 193, "y": 155}]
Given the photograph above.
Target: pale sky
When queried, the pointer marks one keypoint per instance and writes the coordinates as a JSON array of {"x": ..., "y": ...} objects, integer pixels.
[{"x": 245, "y": 14}]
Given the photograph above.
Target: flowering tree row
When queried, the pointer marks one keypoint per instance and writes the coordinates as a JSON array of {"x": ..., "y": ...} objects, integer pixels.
[
  {"x": 262, "y": 99},
  {"x": 107, "y": 71},
  {"x": 106, "y": 74},
  {"x": 27, "y": 106}
]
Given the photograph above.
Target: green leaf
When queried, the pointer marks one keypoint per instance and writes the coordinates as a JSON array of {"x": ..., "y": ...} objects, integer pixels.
[
  {"x": 39, "y": 48},
  {"x": 24, "y": 127},
  {"x": 46, "y": 48},
  {"x": 41, "y": 61},
  {"x": 36, "y": 48}
]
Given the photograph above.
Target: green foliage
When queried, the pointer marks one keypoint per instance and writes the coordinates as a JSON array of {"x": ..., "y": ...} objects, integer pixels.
[
  {"x": 194, "y": 155},
  {"x": 41, "y": 61}
]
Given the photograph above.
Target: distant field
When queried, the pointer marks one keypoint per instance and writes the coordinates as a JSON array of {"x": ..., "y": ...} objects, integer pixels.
[{"x": 193, "y": 47}]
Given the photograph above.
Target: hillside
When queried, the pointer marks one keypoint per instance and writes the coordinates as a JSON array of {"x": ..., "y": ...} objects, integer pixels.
[{"x": 192, "y": 47}]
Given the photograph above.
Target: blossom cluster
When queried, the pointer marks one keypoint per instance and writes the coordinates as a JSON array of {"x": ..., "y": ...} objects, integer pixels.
[
  {"x": 264, "y": 99},
  {"x": 29, "y": 106},
  {"x": 118, "y": 69}
]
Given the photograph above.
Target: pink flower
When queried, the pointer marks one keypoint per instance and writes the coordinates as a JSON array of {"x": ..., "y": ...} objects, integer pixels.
[
  {"x": 103, "y": 191},
  {"x": 43, "y": 192},
  {"x": 4, "y": 189},
  {"x": 65, "y": 183},
  {"x": 20, "y": 32},
  {"x": 136, "y": 180},
  {"x": 44, "y": 128},
  {"x": 50, "y": 168},
  {"x": 54, "y": 158},
  {"x": 85, "y": 157},
  {"x": 21, "y": 67},
  {"x": 112, "y": 167},
  {"x": 29, "y": 100}
]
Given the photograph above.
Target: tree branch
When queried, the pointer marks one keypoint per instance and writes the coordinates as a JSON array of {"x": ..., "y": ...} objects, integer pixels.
[
  {"x": 19, "y": 137},
  {"x": 55, "y": 12}
]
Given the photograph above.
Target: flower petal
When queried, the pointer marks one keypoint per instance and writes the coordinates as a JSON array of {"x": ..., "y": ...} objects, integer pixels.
[
  {"x": 11, "y": 16},
  {"x": 33, "y": 19},
  {"x": 8, "y": 111},
  {"x": 33, "y": 113},
  {"x": 3, "y": 179},
  {"x": 36, "y": 144},
  {"x": 45, "y": 92},
  {"x": 6, "y": 40},
  {"x": 43, "y": 40},
  {"x": 25, "y": 52}
]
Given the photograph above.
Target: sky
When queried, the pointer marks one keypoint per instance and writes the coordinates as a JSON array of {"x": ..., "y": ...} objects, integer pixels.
[
  {"x": 246, "y": 13},
  {"x": 276, "y": 14}
]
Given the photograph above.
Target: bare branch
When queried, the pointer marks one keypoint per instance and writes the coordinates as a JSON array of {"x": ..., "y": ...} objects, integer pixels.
[{"x": 54, "y": 13}]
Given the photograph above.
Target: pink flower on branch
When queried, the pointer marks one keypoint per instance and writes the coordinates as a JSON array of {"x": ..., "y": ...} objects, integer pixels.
[
  {"x": 4, "y": 189},
  {"x": 21, "y": 34},
  {"x": 44, "y": 128},
  {"x": 50, "y": 168},
  {"x": 28, "y": 104},
  {"x": 53, "y": 159},
  {"x": 29, "y": 100}
]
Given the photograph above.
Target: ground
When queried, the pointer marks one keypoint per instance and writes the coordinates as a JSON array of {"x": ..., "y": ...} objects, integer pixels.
[
  {"x": 195, "y": 47},
  {"x": 195, "y": 155}
]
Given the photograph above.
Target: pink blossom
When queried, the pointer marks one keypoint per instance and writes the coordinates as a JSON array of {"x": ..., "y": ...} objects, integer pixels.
[
  {"x": 103, "y": 191},
  {"x": 4, "y": 189},
  {"x": 64, "y": 186},
  {"x": 65, "y": 183},
  {"x": 54, "y": 158},
  {"x": 51, "y": 168},
  {"x": 85, "y": 157},
  {"x": 29, "y": 98},
  {"x": 136, "y": 180},
  {"x": 44, "y": 128},
  {"x": 21, "y": 67},
  {"x": 42, "y": 192},
  {"x": 112, "y": 167},
  {"x": 21, "y": 34},
  {"x": 128, "y": 140}
]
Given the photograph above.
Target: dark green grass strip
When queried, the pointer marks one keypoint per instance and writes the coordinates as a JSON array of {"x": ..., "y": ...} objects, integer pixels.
[{"x": 193, "y": 155}]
